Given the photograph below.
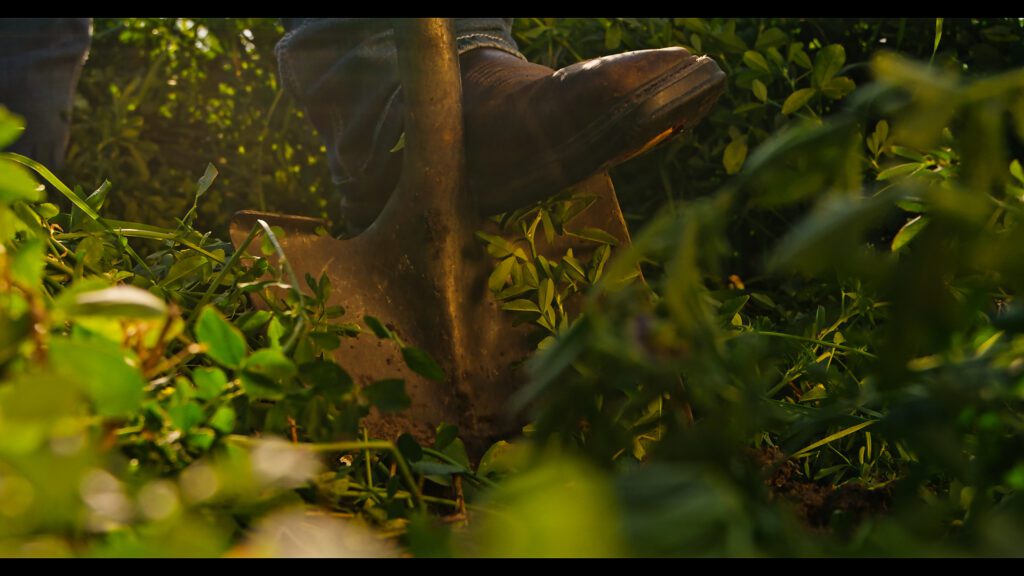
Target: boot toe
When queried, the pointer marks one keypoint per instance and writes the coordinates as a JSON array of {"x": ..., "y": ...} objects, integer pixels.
[{"x": 539, "y": 137}]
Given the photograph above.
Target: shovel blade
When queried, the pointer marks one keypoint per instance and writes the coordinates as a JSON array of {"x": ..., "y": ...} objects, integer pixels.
[{"x": 473, "y": 340}]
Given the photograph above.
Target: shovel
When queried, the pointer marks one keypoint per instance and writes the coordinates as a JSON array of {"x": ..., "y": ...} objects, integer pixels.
[{"x": 421, "y": 270}]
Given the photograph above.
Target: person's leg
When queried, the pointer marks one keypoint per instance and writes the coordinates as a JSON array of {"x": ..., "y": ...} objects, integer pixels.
[
  {"x": 529, "y": 130},
  {"x": 40, "y": 61},
  {"x": 345, "y": 72}
]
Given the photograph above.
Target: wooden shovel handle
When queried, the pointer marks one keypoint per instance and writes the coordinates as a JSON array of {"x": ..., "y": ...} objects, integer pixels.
[{"x": 432, "y": 90}]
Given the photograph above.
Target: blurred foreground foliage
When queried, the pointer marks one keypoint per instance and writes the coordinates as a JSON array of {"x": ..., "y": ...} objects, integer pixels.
[{"x": 827, "y": 356}]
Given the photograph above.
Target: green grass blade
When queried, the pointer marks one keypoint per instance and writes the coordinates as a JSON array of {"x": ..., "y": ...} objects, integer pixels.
[{"x": 834, "y": 437}]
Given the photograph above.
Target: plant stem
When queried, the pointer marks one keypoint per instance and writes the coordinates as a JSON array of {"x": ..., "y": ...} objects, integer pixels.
[{"x": 814, "y": 341}]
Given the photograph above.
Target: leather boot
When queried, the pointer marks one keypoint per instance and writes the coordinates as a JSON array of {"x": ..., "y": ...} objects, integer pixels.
[{"x": 531, "y": 131}]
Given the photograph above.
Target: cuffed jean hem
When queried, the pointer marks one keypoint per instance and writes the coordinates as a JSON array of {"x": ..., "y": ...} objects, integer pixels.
[
  {"x": 471, "y": 41},
  {"x": 40, "y": 61}
]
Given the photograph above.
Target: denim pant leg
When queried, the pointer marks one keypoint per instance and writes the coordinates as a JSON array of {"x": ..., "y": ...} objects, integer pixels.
[
  {"x": 40, "y": 61},
  {"x": 345, "y": 72}
]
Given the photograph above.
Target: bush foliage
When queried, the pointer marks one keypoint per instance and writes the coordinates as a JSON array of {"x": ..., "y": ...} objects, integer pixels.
[{"x": 825, "y": 357}]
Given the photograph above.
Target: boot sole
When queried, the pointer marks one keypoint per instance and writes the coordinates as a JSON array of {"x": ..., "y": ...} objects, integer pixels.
[{"x": 675, "y": 102}]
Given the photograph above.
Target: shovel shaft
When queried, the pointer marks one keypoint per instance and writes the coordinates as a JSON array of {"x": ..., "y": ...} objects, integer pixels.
[{"x": 432, "y": 90}]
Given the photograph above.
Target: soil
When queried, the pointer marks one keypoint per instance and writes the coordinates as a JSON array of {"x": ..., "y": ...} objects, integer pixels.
[{"x": 816, "y": 503}]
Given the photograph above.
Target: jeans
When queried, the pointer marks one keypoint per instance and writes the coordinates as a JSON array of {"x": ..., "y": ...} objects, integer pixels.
[
  {"x": 40, "y": 61},
  {"x": 344, "y": 71}
]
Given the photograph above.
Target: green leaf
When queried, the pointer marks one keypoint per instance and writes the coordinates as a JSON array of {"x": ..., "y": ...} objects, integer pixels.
[
  {"x": 275, "y": 332},
  {"x": 95, "y": 201},
  {"x": 210, "y": 382},
  {"x": 770, "y": 37},
  {"x": 747, "y": 107},
  {"x": 445, "y": 435},
  {"x": 909, "y": 154},
  {"x": 734, "y": 156},
  {"x": 456, "y": 450},
  {"x": 430, "y": 468},
  {"x": 820, "y": 319},
  {"x": 911, "y": 204},
  {"x": 693, "y": 24},
  {"x": 500, "y": 459},
  {"x": 760, "y": 90},
  {"x": 530, "y": 276},
  {"x": 12, "y": 127},
  {"x": 832, "y": 229},
  {"x": 908, "y": 231},
  {"x": 882, "y": 131},
  {"x": 267, "y": 247},
  {"x": 99, "y": 196},
  {"x": 326, "y": 377},
  {"x": 613, "y": 36},
  {"x": 732, "y": 306},
  {"x": 597, "y": 262},
  {"x": 521, "y": 306},
  {"x": 764, "y": 299},
  {"x": 201, "y": 439},
  {"x": 696, "y": 42},
  {"x": 206, "y": 180},
  {"x": 755, "y": 61},
  {"x": 377, "y": 326},
  {"x": 595, "y": 235},
  {"x": 47, "y": 210},
  {"x": 28, "y": 262},
  {"x": 500, "y": 275},
  {"x": 186, "y": 416},
  {"x": 795, "y": 53},
  {"x": 832, "y": 438},
  {"x": 100, "y": 369},
  {"x": 325, "y": 340},
  {"x": 899, "y": 170},
  {"x": 421, "y": 363},
  {"x": 514, "y": 290},
  {"x": 1016, "y": 171},
  {"x": 398, "y": 145},
  {"x": 311, "y": 282},
  {"x": 409, "y": 447},
  {"x": 223, "y": 420},
  {"x": 797, "y": 99},
  {"x": 387, "y": 395},
  {"x": 731, "y": 41},
  {"x": 838, "y": 87},
  {"x": 51, "y": 178},
  {"x": 774, "y": 56},
  {"x": 545, "y": 367},
  {"x": 224, "y": 342},
  {"x": 549, "y": 226},
  {"x": 827, "y": 63},
  {"x": 574, "y": 267},
  {"x": 118, "y": 302},
  {"x": 876, "y": 142},
  {"x": 816, "y": 393},
  {"x": 270, "y": 362},
  {"x": 17, "y": 184},
  {"x": 545, "y": 294},
  {"x": 260, "y": 387},
  {"x": 499, "y": 247}
]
